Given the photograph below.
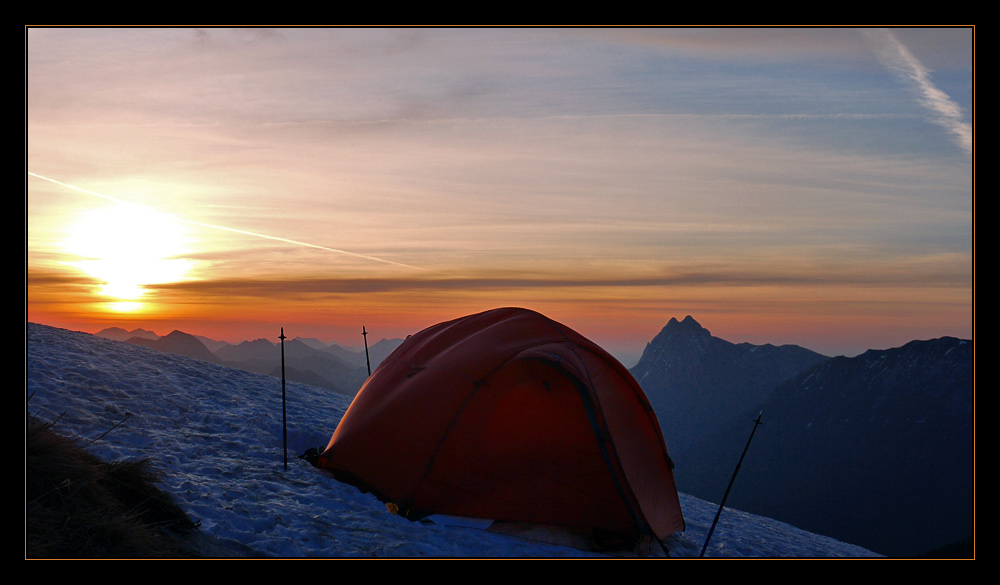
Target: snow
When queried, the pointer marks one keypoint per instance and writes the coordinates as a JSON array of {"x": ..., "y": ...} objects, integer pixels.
[{"x": 216, "y": 433}]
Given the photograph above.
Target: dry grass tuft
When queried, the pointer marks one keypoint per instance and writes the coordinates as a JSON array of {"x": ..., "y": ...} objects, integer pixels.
[{"x": 77, "y": 506}]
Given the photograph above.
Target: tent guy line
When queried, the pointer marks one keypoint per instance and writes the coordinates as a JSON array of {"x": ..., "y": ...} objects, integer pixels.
[{"x": 235, "y": 230}]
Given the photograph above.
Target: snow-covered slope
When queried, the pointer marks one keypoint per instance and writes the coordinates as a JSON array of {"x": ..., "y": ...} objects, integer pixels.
[{"x": 216, "y": 432}]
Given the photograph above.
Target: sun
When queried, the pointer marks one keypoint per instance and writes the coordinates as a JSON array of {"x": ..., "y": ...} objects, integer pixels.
[{"x": 128, "y": 247}]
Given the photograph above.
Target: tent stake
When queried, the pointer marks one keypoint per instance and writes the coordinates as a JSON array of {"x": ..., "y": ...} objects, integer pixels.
[
  {"x": 365, "y": 335},
  {"x": 756, "y": 423},
  {"x": 284, "y": 423}
]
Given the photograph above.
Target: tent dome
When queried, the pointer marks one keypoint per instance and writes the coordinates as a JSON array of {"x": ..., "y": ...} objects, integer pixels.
[{"x": 510, "y": 416}]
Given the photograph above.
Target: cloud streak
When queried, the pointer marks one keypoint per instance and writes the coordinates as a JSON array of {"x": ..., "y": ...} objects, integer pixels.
[
  {"x": 946, "y": 113},
  {"x": 238, "y": 231},
  {"x": 934, "y": 274}
]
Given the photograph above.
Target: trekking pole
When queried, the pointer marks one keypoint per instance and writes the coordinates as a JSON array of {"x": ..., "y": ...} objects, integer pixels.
[
  {"x": 365, "y": 335},
  {"x": 284, "y": 423},
  {"x": 756, "y": 423}
]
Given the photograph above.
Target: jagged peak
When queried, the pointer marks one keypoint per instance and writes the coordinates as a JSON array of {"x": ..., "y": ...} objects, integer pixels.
[
  {"x": 688, "y": 324},
  {"x": 687, "y": 332}
]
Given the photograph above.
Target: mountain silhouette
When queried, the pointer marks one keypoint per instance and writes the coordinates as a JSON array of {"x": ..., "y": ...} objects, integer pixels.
[
  {"x": 307, "y": 361},
  {"x": 876, "y": 450},
  {"x": 179, "y": 343},
  {"x": 698, "y": 383},
  {"x": 119, "y": 334}
]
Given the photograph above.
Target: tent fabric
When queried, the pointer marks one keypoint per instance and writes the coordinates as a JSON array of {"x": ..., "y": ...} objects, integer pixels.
[{"x": 511, "y": 416}]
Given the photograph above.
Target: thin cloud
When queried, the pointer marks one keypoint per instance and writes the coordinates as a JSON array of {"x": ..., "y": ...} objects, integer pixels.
[
  {"x": 898, "y": 59},
  {"x": 238, "y": 231},
  {"x": 931, "y": 275}
]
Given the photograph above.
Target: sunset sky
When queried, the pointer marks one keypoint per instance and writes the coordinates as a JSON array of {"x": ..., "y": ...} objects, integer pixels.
[{"x": 810, "y": 186}]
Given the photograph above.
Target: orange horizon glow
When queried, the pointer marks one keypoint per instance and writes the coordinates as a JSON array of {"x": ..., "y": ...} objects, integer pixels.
[{"x": 622, "y": 325}]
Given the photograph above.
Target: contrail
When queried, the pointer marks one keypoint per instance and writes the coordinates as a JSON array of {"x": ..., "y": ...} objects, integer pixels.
[
  {"x": 894, "y": 55},
  {"x": 234, "y": 230}
]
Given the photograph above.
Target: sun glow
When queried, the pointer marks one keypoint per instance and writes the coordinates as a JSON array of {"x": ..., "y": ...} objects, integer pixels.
[
  {"x": 125, "y": 307},
  {"x": 128, "y": 247}
]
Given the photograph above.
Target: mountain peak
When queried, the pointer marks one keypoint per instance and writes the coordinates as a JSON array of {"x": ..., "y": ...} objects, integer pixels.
[
  {"x": 177, "y": 334},
  {"x": 685, "y": 337},
  {"x": 688, "y": 325}
]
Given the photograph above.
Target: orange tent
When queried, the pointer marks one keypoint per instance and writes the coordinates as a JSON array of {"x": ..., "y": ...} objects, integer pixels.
[{"x": 510, "y": 416}]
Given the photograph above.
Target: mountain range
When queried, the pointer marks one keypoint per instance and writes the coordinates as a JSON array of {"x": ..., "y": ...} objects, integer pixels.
[
  {"x": 877, "y": 449},
  {"x": 307, "y": 361}
]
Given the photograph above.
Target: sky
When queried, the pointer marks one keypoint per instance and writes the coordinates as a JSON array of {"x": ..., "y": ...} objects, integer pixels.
[{"x": 812, "y": 186}]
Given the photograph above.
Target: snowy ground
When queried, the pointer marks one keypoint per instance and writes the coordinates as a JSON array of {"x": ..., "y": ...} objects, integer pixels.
[{"x": 216, "y": 432}]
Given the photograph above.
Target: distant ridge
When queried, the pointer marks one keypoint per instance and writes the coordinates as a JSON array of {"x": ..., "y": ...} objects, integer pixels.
[
  {"x": 179, "y": 343},
  {"x": 381, "y": 349},
  {"x": 119, "y": 334},
  {"x": 247, "y": 351},
  {"x": 876, "y": 449},
  {"x": 308, "y": 360}
]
